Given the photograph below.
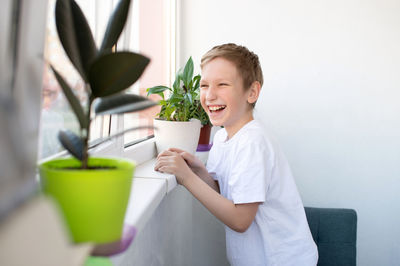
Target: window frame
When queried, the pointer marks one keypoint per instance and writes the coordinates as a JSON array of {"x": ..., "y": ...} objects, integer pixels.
[{"x": 144, "y": 149}]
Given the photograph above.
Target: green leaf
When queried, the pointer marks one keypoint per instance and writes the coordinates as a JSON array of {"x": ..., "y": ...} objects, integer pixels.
[
  {"x": 189, "y": 98},
  {"x": 114, "y": 72},
  {"x": 72, "y": 143},
  {"x": 163, "y": 102},
  {"x": 188, "y": 72},
  {"x": 196, "y": 81},
  {"x": 157, "y": 90},
  {"x": 190, "y": 86},
  {"x": 75, "y": 36},
  {"x": 177, "y": 84},
  {"x": 72, "y": 100},
  {"x": 115, "y": 25},
  {"x": 122, "y": 103},
  {"x": 169, "y": 110},
  {"x": 176, "y": 98}
]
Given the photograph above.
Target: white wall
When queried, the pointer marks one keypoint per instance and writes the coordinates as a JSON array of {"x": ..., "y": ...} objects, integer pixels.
[{"x": 331, "y": 94}]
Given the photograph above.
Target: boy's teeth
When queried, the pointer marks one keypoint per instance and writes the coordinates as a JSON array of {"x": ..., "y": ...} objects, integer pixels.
[{"x": 215, "y": 108}]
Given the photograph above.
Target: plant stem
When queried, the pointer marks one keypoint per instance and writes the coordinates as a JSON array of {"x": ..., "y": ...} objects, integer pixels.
[{"x": 85, "y": 151}]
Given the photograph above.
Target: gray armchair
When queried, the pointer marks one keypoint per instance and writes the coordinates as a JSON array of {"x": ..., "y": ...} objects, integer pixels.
[{"x": 335, "y": 233}]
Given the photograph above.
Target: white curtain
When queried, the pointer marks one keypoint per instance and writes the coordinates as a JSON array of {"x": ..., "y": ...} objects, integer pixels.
[{"x": 22, "y": 28}]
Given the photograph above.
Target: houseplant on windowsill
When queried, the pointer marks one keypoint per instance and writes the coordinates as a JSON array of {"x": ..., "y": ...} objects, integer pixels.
[
  {"x": 181, "y": 116},
  {"x": 93, "y": 192}
]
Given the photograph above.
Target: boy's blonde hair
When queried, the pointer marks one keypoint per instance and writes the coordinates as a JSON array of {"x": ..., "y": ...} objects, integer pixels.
[{"x": 246, "y": 62}]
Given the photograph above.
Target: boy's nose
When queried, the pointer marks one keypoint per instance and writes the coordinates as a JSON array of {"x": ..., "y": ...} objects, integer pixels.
[{"x": 210, "y": 94}]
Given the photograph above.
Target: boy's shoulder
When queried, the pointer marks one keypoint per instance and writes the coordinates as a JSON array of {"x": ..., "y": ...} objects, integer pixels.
[{"x": 253, "y": 132}]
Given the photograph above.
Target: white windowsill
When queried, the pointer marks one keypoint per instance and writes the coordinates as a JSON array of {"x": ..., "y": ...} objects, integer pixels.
[
  {"x": 146, "y": 170},
  {"x": 148, "y": 190}
]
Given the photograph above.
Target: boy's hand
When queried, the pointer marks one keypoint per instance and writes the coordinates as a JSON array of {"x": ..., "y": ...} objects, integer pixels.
[
  {"x": 196, "y": 166},
  {"x": 194, "y": 163},
  {"x": 173, "y": 163}
]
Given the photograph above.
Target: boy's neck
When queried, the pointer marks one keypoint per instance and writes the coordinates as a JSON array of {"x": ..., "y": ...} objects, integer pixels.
[{"x": 232, "y": 130}]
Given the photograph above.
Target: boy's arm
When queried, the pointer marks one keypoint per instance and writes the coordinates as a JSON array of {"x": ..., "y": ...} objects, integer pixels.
[
  {"x": 207, "y": 178},
  {"x": 236, "y": 216}
]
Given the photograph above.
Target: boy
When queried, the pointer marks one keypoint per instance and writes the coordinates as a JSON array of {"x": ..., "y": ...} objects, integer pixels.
[{"x": 247, "y": 183}]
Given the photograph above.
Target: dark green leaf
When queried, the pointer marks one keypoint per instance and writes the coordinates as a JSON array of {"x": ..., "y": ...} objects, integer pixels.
[
  {"x": 75, "y": 36},
  {"x": 190, "y": 86},
  {"x": 114, "y": 72},
  {"x": 115, "y": 25},
  {"x": 196, "y": 84},
  {"x": 188, "y": 72},
  {"x": 122, "y": 103},
  {"x": 72, "y": 143},
  {"x": 157, "y": 90},
  {"x": 73, "y": 101}
]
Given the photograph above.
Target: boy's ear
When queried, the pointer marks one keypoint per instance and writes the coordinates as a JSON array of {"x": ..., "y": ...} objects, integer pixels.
[{"x": 254, "y": 92}]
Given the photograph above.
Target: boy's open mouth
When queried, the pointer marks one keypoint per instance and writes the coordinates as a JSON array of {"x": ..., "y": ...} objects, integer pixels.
[{"x": 216, "y": 108}]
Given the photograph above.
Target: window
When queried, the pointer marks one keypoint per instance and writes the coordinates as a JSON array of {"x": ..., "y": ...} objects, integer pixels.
[
  {"x": 148, "y": 31},
  {"x": 155, "y": 36}
]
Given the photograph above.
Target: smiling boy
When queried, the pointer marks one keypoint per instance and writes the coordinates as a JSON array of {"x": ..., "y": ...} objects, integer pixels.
[{"x": 247, "y": 184}]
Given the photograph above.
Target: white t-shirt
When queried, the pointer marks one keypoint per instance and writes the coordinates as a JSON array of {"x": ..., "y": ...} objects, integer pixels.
[{"x": 249, "y": 168}]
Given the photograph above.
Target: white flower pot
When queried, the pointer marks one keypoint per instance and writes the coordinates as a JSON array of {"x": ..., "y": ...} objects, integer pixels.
[{"x": 181, "y": 135}]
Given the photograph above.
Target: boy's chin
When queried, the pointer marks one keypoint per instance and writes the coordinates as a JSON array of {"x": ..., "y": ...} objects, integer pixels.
[{"x": 216, "y": 123}]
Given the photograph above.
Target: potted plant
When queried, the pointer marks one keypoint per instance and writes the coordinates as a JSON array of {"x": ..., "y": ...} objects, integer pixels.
[
  {"x": 181, "y": 116},
  {"x": 93, "y": 192}
]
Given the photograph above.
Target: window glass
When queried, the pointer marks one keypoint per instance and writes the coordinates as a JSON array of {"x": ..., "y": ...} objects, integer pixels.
[
  {"x": 56, "y": 113},
  {"x": 152, "y": 35},
  {"x": 147, "y": 31}
]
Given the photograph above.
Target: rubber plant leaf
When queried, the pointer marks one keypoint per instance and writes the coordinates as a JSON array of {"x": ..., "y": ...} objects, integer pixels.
[
  {"x": 188, "y": 72},
  {"x": 72, "y": 143},
  {"x": 114, "y": 72},
  {"x": 75, "y": 35},
  {"x": 122, "y": 103},
  {"x": 115, "y": 25},
  {"x": 72, "y": 100}
]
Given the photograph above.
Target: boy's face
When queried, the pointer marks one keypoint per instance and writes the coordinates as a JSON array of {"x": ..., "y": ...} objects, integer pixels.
[{"x": 222, "y": 95}]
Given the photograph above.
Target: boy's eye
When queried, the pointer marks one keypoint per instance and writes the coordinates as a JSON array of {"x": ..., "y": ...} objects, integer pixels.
[
  {"x": 203, "y": 86},
  {"x": 223, "y": 84}
]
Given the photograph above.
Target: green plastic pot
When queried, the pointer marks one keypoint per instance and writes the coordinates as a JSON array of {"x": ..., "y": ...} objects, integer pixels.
[{"x": 93, "y": 202}]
